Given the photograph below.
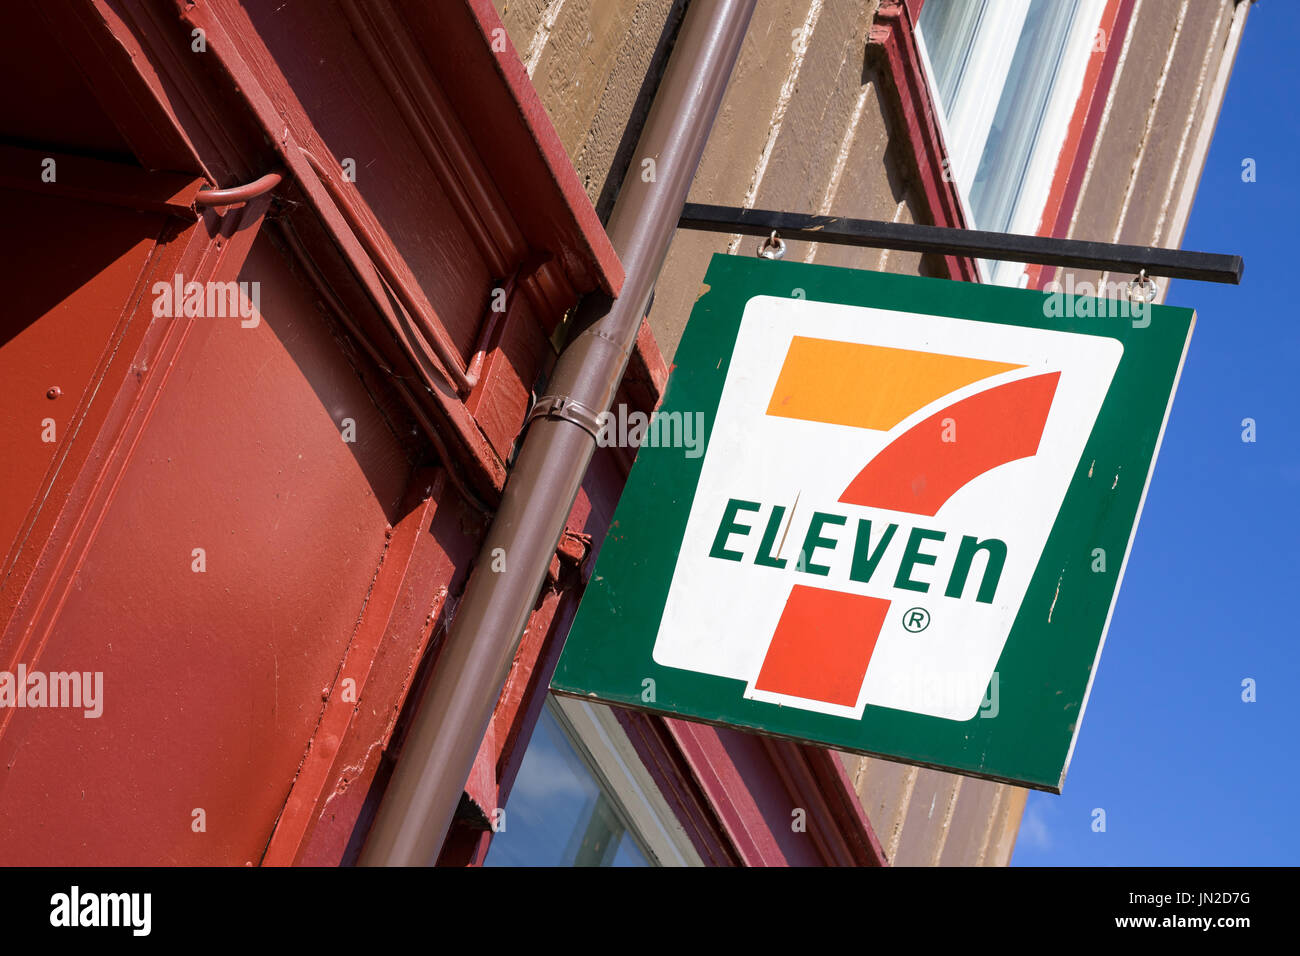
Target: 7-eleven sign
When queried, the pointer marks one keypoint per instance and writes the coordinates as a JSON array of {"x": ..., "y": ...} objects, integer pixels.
[{"x": 906, "y": 533}]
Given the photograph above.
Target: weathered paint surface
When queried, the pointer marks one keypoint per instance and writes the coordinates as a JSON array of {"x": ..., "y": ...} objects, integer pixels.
[{"x": 253, "y": 525}]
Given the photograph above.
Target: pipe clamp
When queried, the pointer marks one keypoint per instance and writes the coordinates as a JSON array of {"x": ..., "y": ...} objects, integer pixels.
[{"x": 568, "y": 409}]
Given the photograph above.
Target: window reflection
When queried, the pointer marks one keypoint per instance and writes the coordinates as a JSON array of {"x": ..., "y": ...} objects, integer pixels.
[{"x": 559, "y": 812}]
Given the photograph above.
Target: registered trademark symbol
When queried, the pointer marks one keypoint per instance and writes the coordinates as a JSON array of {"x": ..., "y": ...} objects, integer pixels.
[{"x": 916, "y": 620}]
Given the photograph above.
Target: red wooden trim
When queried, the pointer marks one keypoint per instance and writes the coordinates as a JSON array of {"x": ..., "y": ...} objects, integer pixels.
[
  {"x": 892, "y": 43},
  {"x": 475, "y": 61},
  {"x": 757, "y": 788},
  {"x": 671, "y": 771},
  {"x": 408, "y": 597},
  {"x": 237, "y": 47},
  {"x": 446, "y": 144},
  {"x": 731, "y": 794},
  {"x": 1085, "y": 124},
  {"x": 152, "y": 114},
  {"x": 817, "y": 782}
]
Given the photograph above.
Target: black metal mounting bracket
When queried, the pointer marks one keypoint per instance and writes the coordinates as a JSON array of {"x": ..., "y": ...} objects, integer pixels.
[{"x": 910, "y": 237}]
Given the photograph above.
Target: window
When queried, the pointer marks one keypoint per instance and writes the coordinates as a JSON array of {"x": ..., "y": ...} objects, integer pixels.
[
  {"x": 582, "y": 798},
  {"x": 1006, "y": 75}
]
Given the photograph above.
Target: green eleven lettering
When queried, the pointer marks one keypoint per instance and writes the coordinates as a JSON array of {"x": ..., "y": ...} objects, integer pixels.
[
  {"x": 814, "y": 540},
  {"x": 730, "y": 527},
  {"x": 819, "y": 547}
]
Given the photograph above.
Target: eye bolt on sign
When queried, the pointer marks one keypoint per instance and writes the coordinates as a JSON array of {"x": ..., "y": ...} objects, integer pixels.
[{"x": 907, "y": 530}]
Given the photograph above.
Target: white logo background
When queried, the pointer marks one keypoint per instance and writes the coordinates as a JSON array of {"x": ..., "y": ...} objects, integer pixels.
[{"x": 720, "y": 615}]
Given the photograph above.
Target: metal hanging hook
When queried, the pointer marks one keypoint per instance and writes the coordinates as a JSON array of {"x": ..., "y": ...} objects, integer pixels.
[
  {"x": 773, "y": 247},
  {"x": 1142, "y": 288}
]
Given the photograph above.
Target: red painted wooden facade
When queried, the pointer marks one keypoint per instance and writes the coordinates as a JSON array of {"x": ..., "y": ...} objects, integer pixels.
[{"x": 256, "y": 525}]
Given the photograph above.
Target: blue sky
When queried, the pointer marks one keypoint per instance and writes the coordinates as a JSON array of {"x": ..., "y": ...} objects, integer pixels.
[{"x": 1186, "y": 772}]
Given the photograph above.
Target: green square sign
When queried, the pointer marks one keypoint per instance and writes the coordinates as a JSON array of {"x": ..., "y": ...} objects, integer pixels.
[{"x": 882, "y": 513}]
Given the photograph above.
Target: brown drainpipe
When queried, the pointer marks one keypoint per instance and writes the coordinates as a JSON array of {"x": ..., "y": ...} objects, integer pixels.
[{"x": 457, "y": 705}]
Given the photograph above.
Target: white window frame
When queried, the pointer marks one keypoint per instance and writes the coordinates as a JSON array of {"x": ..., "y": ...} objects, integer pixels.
[
  {"x": 602, "y": 743},
  {"x": 977, "y": 98}
]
